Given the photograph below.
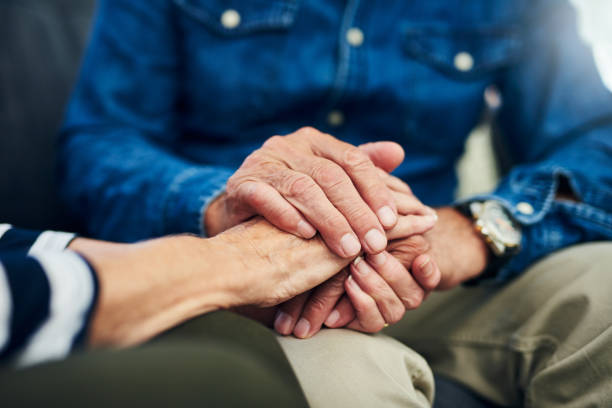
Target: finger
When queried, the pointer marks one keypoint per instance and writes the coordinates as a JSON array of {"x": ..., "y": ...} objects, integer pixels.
[
  {"x": 343, "y": 314},
  {"x": 364, "y": 176},
  {"x": 409, "y": 225},
  {"x": 409, "y": 204},
  {"x": 426, "y": 272},
  {"x": 306, "y": 195},
  {"x": 369, "y": 318},
  {"x": 319, "y": 306},
  {"x": 398, "y": 278},
  {"x": 266, "y": 201},
  {"x": 394, "y": 183},
  {"x": 389, "y": 304},
  {"x": 385, "y": 155},
  {"x": 288, "y": 313},
  {"x": 342, "y": 193}
]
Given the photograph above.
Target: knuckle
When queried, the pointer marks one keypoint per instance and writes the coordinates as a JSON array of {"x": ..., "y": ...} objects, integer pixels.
[
  {"x": 375, "y": 327},
  {"x": 317, "y": 304},
  {"x": 407, "y": 249},
  {"x": 369, "y": 304},
  {"x": 251, "y": 160},
  {"x": 380, "y": 288},
  {"x": 335, "y": 285},
  {"x": 356, "y": 159},
  {"x": 414, "y": 300},
  {"x": 275, "y": 142},
  {"x": 308, "y": 131},
  {"x": 361, "y": 217},
  {"x": 232, "y": 185},
  {"x": 300, "y": 186},
  {"x": 329, "y": 176},
  {"x": 396, "y": 314}
]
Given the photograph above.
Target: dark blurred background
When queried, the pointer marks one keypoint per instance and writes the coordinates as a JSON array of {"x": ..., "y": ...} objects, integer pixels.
[{"x": 41, "y": 42}]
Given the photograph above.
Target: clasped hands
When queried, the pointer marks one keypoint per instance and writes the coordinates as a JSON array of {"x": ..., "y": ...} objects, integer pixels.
[{"x": 309, "y": 182}]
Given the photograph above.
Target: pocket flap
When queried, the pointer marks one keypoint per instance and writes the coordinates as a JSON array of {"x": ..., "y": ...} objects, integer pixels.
[
  {"x": 463, "y": 53},
  {"x": 247, "y": 16}
]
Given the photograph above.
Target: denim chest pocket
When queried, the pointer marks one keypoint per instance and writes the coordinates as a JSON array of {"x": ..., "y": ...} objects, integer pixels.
[
  {"x": 239, "y": 17},
  {"x": 463, "y": 53}
]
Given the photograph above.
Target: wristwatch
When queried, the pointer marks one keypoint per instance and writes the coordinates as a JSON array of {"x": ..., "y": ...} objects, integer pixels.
[
  {"x": 499, "y": 230},
  {"x": 501, "y": 233}
]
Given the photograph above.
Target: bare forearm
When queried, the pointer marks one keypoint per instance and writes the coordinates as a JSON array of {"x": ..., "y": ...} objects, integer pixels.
[{"x": 149, "y": 287}]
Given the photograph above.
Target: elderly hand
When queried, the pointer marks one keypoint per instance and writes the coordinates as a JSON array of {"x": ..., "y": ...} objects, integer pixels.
[
  {"x": 379, "y": 291},
  {"x": 309, "y": 181},
  {"x": 150, "y": 286},
  {"x": 451, "y": 253}
]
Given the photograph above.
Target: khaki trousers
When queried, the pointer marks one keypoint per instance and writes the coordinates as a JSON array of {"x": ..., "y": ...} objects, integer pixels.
[{"x": 542, "y": 340}]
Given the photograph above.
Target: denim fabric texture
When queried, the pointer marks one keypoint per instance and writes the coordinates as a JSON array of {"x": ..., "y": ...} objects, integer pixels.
[{"x": 171, "y": 100}]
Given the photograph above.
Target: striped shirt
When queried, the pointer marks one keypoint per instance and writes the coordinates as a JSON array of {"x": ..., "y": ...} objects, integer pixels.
[{"x": 47, "y": 294}]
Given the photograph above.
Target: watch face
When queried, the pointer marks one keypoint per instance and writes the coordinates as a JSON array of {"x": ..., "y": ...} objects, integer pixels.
[{"x": 499, "y": 224}]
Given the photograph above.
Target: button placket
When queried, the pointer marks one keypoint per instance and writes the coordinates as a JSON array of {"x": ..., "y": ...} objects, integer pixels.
[{"x": 351, "y": 39}]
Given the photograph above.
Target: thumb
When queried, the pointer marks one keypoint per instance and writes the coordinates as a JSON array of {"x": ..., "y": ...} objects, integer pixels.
[{"x": 385, "y": 155}]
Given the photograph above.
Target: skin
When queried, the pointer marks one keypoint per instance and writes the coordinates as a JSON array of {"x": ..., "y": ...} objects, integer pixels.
[
  {"x": 450, "y": 253},
  {"x": 309, "y": 182},
  {"x": 392, "y": 290},
  {"x": 460, "y": 252},
  {"x": 355, "y": 183},
  {"x": 151, "y": 286}
]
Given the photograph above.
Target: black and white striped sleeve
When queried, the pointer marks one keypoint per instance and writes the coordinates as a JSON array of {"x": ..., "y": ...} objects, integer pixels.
[{"x": 47, "y": 294}]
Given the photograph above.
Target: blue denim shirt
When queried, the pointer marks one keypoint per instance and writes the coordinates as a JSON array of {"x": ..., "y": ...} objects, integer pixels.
[{"x": 174, "y": 94}]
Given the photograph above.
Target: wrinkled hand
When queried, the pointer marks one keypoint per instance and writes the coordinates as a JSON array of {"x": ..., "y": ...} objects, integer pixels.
[
  {"x": 380, "y": 291},
  {"x": 452, "y": 252},
  {"x": 309, "y": 181},
  {"x": 454, "y": 243}
]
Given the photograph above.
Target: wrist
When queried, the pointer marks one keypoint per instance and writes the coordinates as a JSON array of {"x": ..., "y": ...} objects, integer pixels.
[
  {"x": 213, "y": 216},
  {"x": 149, "y": 287},
  {"x": 461, "y": 252}
]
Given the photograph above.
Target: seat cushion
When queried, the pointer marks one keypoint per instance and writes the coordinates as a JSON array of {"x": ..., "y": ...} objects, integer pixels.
[{"x": 41, "y": 42}]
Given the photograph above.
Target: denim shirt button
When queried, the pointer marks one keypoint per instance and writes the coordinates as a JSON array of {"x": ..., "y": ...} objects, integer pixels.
[
  {"x": 463, "y": 61},
  {"x": 525, "y": 208},
  {"x": 230, "y": 19},
  {"x": 354, "y": 36},
  {"x": 335, "y": 118}
]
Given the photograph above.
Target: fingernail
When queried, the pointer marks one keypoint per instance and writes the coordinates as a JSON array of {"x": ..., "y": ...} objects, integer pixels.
[
  {"x": 426, "y": 268},
  {"x": 387, "y": 217},
  {"x": 282, "y": 323},
  {"x": 432, "y": 218},
  {"x": 362, "y": 268},
  {"x": 378, "y": 259},
  {"x": 376, "y": 240},
  {"x": 430, "y": 210},
  {"x": 350, "y": 245},
  {"x": 302, "y": 328},
  {"x": 351, "y": 282},
  {"x": 332, "y": 318},
  {"x": 432, "y": 213},
  {"x": 305, "y": 229}
]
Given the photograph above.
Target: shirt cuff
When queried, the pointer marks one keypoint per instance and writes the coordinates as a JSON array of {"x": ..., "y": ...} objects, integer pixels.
[
  {"x": 73, "y": 290},
  {"x": 529, "y": 195},
  {"x": 190, "y": 194}
]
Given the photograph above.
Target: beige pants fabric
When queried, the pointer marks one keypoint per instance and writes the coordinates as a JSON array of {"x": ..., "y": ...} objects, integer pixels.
[
  {"x": 342, "y": 368},
  {"x": 542, "y": 340}
]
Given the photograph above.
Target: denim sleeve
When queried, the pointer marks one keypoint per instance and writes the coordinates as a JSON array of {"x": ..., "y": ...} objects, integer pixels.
[
  {"x": 118, "y": 172},
  {"x": 557, "y": 123}
]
